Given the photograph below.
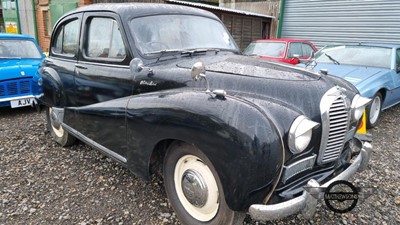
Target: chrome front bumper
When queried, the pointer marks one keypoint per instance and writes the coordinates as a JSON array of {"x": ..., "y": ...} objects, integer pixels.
[{"x": 306, "y": 203}]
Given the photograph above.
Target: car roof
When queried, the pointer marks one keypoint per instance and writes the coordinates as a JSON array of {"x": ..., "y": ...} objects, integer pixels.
[
  {"x": 282, "y": 39},
  {"x": 15, "y": 36},
  {"x": 385, "y": 45},
  {"x": 131, "y": 10}
]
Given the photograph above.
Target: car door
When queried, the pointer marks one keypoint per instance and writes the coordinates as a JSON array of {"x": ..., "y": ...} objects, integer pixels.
[
  {"x": 391, "y": 80},
  {"x": 103, "y": 74},
  {"x": 61, "y": 62}
]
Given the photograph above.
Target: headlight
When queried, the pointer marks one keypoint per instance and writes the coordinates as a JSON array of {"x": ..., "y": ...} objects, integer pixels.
[
  {"x": 300, "y": 134},
  {"x": 358, "y": 105}
]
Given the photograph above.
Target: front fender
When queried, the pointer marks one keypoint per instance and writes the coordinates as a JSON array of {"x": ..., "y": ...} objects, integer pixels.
[
  {"x": 368, "y": 88},
  {"x": 244, "y": 146}
]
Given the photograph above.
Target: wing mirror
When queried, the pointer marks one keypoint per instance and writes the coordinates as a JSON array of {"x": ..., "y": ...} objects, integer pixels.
[
  {"x": 198, "y": 73},
  {"x": 136, "y": 66}
]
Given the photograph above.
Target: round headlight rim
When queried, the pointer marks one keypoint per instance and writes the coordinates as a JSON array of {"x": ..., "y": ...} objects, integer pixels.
[
  {"x": 358, "y": 105},
  {"x": 292, "y": 133}
]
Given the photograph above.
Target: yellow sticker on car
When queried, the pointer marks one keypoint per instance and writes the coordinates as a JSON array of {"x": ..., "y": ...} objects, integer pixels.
[{"x": 362, "y": 128}]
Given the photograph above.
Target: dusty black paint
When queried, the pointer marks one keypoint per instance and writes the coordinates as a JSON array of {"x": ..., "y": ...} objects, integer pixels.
[{"x": 242, "y": 134}]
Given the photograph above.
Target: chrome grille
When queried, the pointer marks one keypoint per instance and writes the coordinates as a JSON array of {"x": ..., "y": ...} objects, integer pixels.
[
  {"x": 338, "y": 123},
  {"x": 335, "y": 119}
]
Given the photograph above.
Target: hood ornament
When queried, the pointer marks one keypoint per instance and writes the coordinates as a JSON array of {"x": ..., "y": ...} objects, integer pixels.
[{"x": 22, "y": 73}]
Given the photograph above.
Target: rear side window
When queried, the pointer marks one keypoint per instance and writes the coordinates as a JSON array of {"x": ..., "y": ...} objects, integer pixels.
[
  {"x": 104, "y": 39},
  {"x": 67, "y": 39}
]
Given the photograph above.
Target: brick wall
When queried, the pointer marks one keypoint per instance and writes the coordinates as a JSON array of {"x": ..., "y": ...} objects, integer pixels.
[
  {"x": 43, "y": 35},
  {"x": 84, "y": 2},
  {"x": 43, "y": 38}
]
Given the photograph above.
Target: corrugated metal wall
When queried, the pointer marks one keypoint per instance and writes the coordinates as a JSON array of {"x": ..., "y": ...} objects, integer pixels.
[{"x": 337, "y": 21}]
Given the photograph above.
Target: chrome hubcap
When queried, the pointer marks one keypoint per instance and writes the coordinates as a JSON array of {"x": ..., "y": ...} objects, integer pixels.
[
  {"x": 55, "y": 123},
  {"x": 54, "y": 120},
  {"x": 194, "y": 188}
]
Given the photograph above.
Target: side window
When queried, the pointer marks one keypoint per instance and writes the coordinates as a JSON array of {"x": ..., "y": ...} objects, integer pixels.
[
  {"x": 307, "y": 50},
  {"x": 294, "y": 49},
  {"x": 104, "y": 39},
  {"x": 67, "y": 39}
]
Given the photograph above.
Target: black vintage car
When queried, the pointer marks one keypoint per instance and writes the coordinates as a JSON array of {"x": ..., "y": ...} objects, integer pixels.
[{"x": 150, "y": 84}]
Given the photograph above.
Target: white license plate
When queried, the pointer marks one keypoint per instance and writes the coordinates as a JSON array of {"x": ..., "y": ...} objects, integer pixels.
[{"x": 21, "y": 102}]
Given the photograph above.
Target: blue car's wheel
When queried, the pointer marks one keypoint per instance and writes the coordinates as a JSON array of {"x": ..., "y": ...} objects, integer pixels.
[{"x": 374, "y": 111}]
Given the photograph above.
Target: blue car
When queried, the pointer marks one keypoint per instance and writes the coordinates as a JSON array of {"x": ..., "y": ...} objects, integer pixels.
[
  {"x": 20, "y": 57},
  {"x": 374, "y": 69}
]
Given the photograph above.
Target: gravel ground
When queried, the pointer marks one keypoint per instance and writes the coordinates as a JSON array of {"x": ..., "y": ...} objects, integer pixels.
[{"x": 42, "y": 183}]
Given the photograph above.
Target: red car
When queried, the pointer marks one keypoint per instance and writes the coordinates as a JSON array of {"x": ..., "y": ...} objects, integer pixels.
[{"x": 281, "y": 49}]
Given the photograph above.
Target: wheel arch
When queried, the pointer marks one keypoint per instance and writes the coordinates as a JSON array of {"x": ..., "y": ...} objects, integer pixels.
[{"x": 383, "y": 92}]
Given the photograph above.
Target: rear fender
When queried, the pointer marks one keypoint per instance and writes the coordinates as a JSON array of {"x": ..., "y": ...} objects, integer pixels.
[{"x": 52, "y": 88}]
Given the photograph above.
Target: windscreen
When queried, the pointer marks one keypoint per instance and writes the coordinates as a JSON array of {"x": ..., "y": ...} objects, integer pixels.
[
  {"x": 180, "y": 32},
  {"x": 358, "y": 55},
  {"x": 13, "y": 48}
]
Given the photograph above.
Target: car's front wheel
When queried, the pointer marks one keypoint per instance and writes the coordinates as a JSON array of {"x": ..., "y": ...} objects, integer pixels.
[
  {"x": 374, "y": 111},
  {"x": 194, "y": 189},
  {"x": 61, "y": 136}
]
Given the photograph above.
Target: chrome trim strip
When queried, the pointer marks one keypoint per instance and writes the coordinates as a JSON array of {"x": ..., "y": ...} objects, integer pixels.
[
  {"x": 94, "y": 144},
  {"x": 105, "y": 64},
  {"x": 306, "y": 203}
]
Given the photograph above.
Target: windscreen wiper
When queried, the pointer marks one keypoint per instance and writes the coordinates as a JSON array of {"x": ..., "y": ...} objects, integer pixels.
[
  {"x": 199, "y": 51},
  {"x": 332, "y": 59},
  {"x": 162, "y": 52}
]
